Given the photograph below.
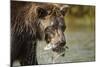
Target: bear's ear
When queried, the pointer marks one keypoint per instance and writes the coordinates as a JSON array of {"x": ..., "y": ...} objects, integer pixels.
[
  {"x": 41, "y": 12},
  {"x": 64, "y": 9}
]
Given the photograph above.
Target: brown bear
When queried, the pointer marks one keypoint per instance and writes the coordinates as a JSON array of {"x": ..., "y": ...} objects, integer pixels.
[{"x": 31, "y": 22}]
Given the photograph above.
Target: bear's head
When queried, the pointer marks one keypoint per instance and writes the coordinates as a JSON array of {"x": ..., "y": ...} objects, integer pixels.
[{"x": 51, "y": 26}]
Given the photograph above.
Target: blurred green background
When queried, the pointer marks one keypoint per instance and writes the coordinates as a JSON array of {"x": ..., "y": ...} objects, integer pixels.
[{"x": 80, "y": 17}]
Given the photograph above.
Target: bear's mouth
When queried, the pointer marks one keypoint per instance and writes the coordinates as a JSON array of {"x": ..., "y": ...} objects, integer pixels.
[{"x": 58, "y": 48}]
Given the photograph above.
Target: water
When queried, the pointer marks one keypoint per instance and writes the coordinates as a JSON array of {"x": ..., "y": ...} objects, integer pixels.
[{"x": 81, "y": 49}]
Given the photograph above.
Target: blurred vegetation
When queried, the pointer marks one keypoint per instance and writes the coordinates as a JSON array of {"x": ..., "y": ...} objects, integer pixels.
[{"x": 80, "y": 17}]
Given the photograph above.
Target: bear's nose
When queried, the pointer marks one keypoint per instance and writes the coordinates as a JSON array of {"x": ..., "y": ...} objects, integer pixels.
[{"x": 62, "y": 43}]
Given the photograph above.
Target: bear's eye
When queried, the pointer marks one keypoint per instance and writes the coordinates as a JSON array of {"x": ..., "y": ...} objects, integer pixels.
[{"x": 41, "y": 12}]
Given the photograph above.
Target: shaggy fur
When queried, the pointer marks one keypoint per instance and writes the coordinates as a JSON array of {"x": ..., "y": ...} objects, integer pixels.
[
  {"x": 26, "y": 30},
  {"x": 23, "y": 34}
]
